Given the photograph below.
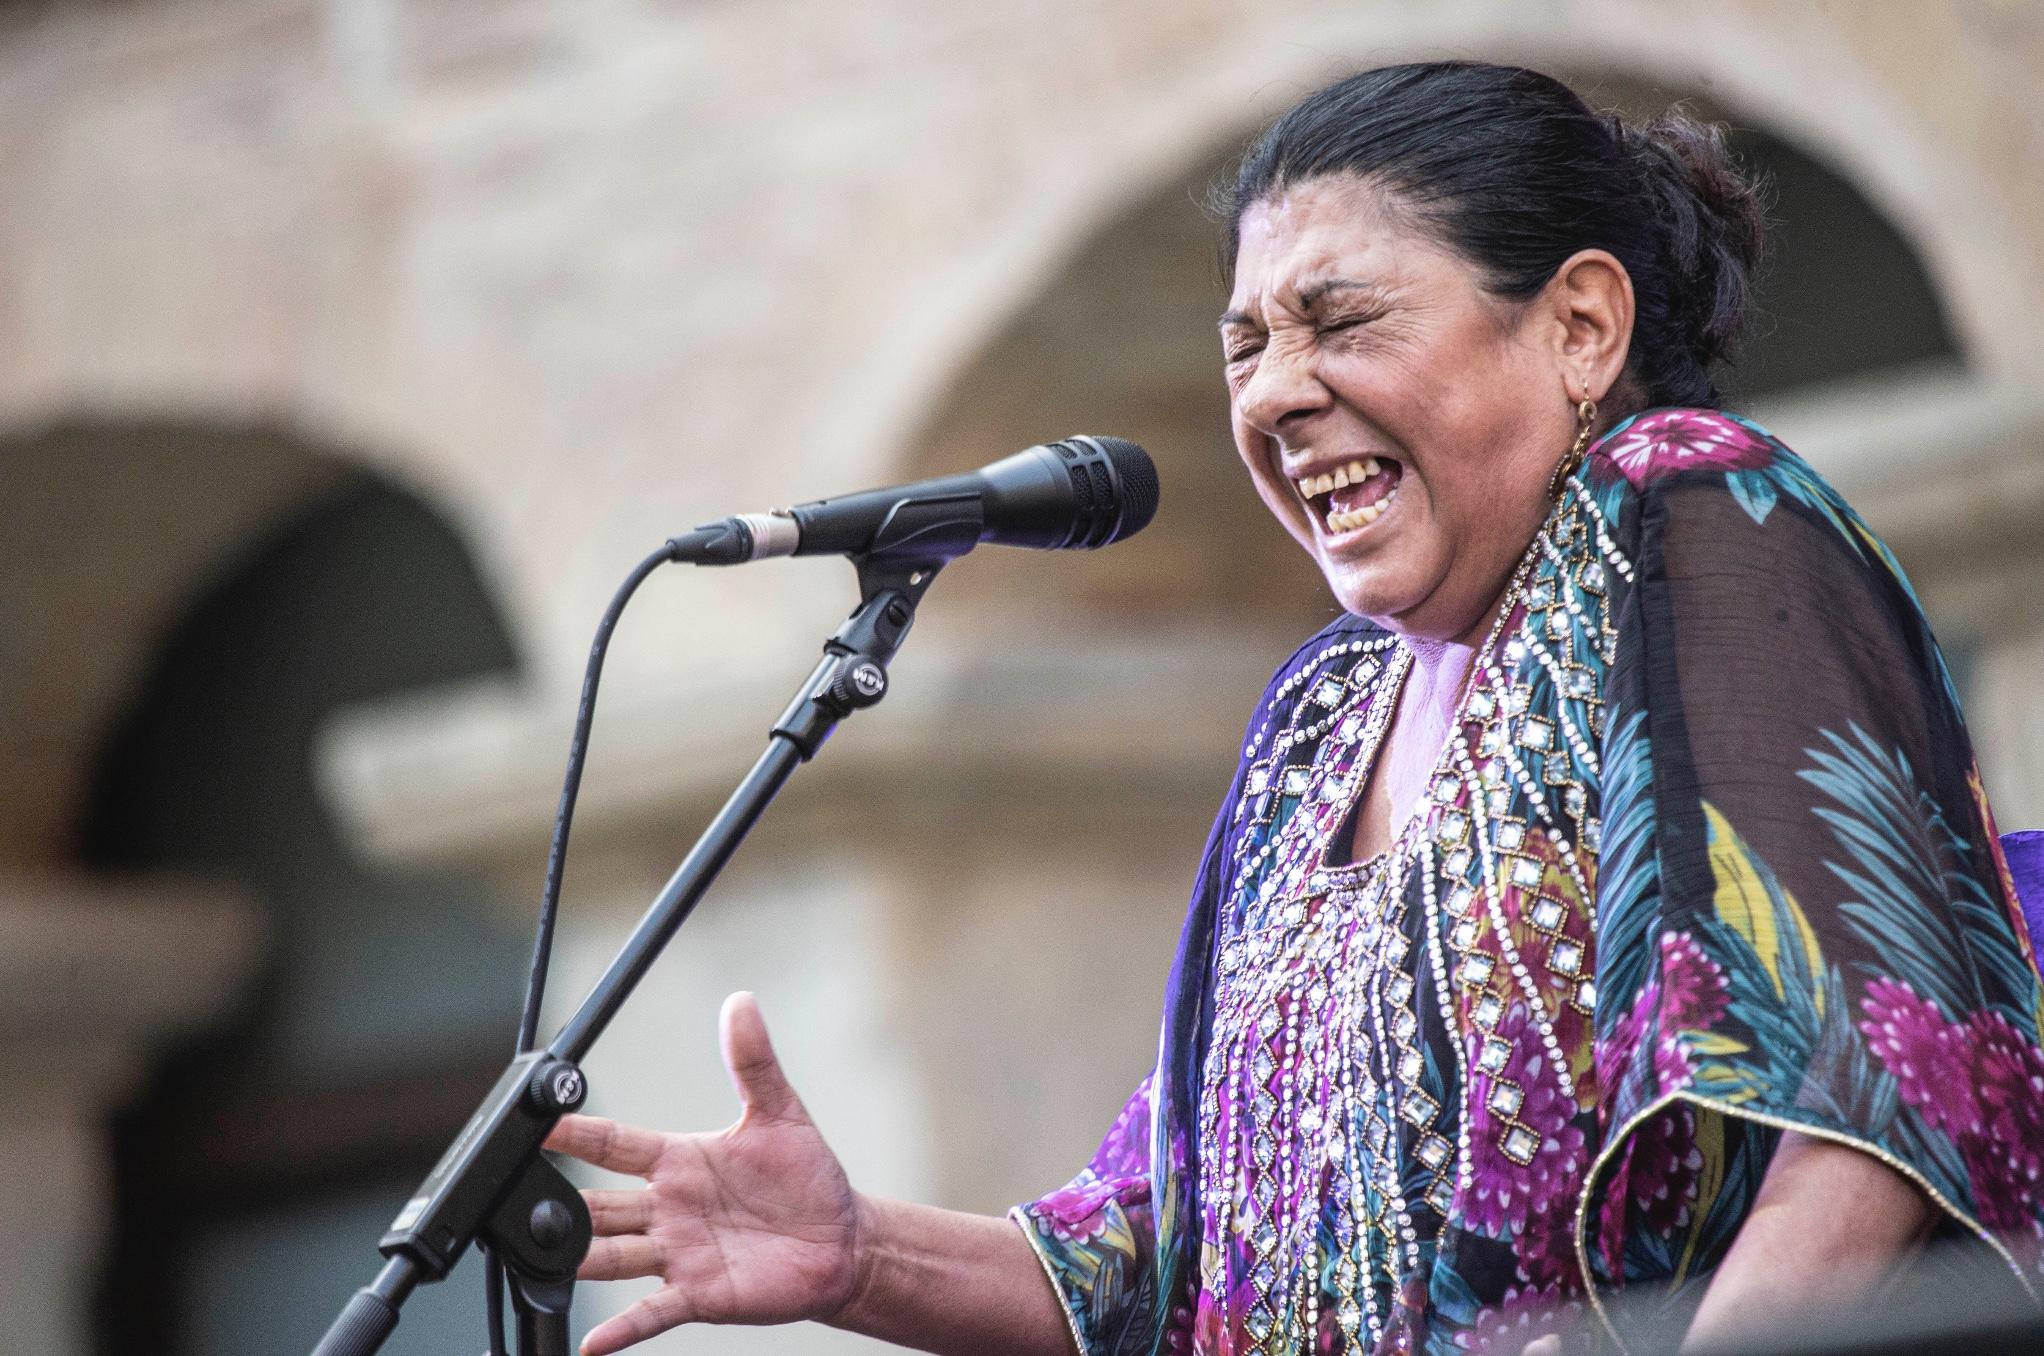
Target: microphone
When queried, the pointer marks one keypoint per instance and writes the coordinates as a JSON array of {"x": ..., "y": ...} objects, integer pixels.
[{"x": 1080, "y": 493}]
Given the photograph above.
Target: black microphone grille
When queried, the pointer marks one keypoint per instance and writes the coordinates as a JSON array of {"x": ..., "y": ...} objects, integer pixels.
[{"x": 1136, "y": 475}]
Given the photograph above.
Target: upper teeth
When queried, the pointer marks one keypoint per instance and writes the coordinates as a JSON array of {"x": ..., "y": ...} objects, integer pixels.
[{"x": 1340, "y": 478}]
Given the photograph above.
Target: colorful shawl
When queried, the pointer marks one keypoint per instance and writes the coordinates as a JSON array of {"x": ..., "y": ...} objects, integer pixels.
[{"x": 1727, "y": 857}]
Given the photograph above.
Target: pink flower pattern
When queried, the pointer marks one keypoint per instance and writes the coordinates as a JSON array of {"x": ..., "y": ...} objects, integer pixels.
[
  {"x": 1981, "y": 1083},
  {"x": 1504, "y": 1197},
  {"x": 1077, "y": 1212},
  {"x": 1663, "y": 442},
  {"x": 1686, "y": 992},
  {"x": 1523, "y": 1315},
  {"x": 1709, "y": 1021}
]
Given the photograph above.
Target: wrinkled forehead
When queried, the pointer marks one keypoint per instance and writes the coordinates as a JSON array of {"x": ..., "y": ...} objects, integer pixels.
[{"x": 1295, "y": 239}]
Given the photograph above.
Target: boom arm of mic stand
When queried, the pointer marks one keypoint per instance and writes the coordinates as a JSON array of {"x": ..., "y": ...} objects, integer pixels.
[{"x": 492, "y": 1181}]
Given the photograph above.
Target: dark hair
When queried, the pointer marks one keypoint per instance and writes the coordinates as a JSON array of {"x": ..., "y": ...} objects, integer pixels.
[{"x": 1516, "y": 173}]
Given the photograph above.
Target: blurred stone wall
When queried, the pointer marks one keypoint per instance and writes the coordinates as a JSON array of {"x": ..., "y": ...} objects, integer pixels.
[{"x": 576, "y": 276}]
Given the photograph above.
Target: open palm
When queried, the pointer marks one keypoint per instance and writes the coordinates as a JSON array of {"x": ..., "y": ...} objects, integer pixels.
[{"x": 752, "y": 1224}]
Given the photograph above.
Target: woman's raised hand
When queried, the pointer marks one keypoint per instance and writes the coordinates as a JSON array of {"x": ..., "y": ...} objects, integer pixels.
[{"x": 752, "y": 1224}]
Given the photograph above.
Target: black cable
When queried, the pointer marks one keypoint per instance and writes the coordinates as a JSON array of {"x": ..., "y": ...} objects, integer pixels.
[
  {"x": 493, "y": 1300},
  {"x": 556, "y": 865},
  {"x": 571, "y": 785}
]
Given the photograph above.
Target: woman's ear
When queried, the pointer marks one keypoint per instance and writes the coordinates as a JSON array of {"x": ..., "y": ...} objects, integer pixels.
[{"x": 1590, "y": 299}]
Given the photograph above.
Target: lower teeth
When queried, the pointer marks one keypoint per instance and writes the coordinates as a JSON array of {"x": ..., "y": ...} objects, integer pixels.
[{"x": 1369, "y": 513}]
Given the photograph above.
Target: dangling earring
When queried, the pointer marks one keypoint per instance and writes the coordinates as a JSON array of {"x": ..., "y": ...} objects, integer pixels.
[{"x": 1586, "y": 418}]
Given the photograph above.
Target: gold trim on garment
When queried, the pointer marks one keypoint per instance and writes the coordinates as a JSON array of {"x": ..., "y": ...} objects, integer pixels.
[
  {"x": 1028, "y": 1228},
  {"x": 1612, "y": 1144}
]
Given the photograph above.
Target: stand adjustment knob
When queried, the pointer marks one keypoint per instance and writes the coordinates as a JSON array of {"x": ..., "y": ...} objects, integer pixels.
[
  {"x": 858, "y": 683},
  {"x": 550, "y": 1224},
  {"x": 557, "y": 1087}
]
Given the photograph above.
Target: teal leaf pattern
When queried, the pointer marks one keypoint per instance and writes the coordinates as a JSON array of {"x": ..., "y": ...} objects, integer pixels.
[{"x": 1798, "y": 924}]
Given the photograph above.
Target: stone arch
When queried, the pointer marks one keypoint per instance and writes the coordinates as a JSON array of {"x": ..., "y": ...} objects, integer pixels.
[
  {"x": 1845, "y": 291},
  {"x": 1760, "y": 71},
  {"x": 111, "y": 525},
  {"x": 1118, "y": 338},
  {"x": 384, "y": 996},
  {"x": 199, "y": 601},
  {"x": 1103, "y": 324}
]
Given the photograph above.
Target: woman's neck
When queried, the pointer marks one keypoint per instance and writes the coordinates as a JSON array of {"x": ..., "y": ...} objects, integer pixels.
[
  {"x": 1440, "y": 674},
  {"x": 1441, "y": 669},
  {"x": 1458, "y": 652},
  {"x": 1428, "y": 701}
]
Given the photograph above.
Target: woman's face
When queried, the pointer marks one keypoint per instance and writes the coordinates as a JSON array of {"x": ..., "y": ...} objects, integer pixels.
[{"x": 1400, "y": 421}]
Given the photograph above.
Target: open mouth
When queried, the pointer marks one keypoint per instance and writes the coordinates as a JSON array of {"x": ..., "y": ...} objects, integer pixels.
[{"x": 1350, "y": 497}]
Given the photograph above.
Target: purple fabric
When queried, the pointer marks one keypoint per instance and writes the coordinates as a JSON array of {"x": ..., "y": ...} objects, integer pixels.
[
  {"x": 2025, "y": 853},
  {"x": 1852, "y": 966}
]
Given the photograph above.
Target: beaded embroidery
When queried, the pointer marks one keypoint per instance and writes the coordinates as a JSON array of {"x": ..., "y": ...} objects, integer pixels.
[
  {"x": 1334, "y": 1138},
  {"x": 1738, "y": 988}
]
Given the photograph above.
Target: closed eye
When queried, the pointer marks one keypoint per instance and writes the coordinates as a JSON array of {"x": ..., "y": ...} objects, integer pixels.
[{"x": 1335, "y": 324}]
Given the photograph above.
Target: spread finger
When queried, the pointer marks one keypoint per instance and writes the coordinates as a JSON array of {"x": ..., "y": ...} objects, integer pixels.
[
  {"x": 619, "y": 1212},
  {"x": 607, "y": 1144},
  {"x": 622, "y": 1258},
  {"x": 663, "y": 1309}
]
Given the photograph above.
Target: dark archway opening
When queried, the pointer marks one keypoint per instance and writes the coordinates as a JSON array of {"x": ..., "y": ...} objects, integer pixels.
[
  {"x": 256, "y": 1170},
  {"x": 1120, "y": 339},
  {"x": 1843, "y": 294}
]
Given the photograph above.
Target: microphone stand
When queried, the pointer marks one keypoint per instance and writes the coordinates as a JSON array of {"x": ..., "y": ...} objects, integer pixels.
[{"x": 492, "y": 1183}]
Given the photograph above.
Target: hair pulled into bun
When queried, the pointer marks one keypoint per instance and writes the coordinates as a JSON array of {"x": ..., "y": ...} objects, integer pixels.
[
  {"x": 1517, "y": 173},
  {"x": 1711, "y": 225}
]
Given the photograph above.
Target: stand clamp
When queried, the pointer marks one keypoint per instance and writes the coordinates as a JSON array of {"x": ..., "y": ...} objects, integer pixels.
[
  {"x": 492, "y": 1183},
  {"x": 852, "y": 675}
]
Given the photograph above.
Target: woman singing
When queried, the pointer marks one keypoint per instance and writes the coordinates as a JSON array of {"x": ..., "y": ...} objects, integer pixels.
[{"x": 1605, "y": 906}]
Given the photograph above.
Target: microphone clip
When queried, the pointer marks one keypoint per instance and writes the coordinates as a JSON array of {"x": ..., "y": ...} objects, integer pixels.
[{"x": 852, "y": 675}]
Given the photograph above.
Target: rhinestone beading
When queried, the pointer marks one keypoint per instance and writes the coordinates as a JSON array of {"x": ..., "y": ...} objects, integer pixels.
[{"x": 1330, "y": 1125}]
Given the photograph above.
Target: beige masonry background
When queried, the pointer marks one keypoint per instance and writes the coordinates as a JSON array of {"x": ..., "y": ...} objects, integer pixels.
[{"x": 579, "y": 274}]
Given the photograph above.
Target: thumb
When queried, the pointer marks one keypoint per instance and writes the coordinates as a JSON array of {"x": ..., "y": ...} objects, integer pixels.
[{"x": 749, "y": 1055}]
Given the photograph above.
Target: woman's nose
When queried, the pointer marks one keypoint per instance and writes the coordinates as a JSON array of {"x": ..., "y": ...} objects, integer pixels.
[{"x": 1284, "y": 389}]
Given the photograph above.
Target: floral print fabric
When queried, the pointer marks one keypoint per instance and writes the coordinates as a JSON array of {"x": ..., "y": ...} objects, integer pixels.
[{"x": 1707, "y": 858}]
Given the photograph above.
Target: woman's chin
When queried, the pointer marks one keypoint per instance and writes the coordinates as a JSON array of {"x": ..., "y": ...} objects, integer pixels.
[
  {"x": 1410, "y": 602},
  {"x": 1367, "y": 593}
]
